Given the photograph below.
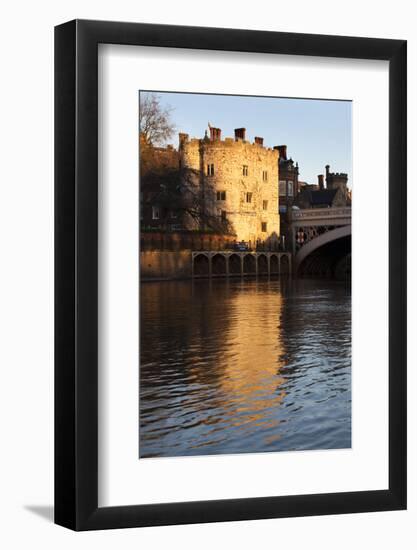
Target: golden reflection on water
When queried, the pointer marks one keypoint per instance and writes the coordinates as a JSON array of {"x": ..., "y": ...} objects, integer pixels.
[
  {"x": 226, "y": 366},
  {"x": 251, "y": 378}
]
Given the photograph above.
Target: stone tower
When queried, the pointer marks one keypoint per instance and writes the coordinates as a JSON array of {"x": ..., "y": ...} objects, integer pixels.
[
  {"x": 336, "y": 180},
  {"x": 237, "y": 181}
]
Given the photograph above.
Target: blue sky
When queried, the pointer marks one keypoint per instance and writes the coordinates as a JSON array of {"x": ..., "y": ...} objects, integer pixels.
[{"x": 317, "y": 132}]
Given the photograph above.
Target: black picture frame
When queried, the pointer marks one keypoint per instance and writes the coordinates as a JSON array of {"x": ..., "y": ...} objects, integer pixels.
[{"x": 76, "y": 272}]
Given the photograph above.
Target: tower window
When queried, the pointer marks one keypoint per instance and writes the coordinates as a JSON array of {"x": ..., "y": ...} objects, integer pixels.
[
  {"x": 210, "y": 169},
  {"x": 221, "y": 195},
  {"x": 223, "y": 215},
  {"x": 245, "y": 170},
  {"x": 265, "y": 205},
  {"x": 155, "y": 212},
  {"x": 248, "y": 197},
  {"x": 264, "y": 175},
  {"x": 263, "y": 227}
]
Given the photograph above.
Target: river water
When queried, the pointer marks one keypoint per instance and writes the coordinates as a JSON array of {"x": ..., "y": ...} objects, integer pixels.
[{"x": 232, "y": 366}]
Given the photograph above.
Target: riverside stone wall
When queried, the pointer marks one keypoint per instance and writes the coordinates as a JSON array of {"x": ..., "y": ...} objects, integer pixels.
[{"x": 165, "y": 264}]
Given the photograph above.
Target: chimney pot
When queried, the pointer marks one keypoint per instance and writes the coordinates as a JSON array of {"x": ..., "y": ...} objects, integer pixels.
[
  {"x": 240, "y": 133},
  {"x": 282, "y": 151},
  {"x": 327, "y": 175},
  {"x": 259, "y": 140},
  {"x": 321, "y": 181},
  {"x": 215, "y": 134}
]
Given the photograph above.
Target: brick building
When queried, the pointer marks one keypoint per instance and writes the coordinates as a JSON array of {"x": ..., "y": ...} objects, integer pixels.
[
  {"x": 288, "y": 179},
  {"x": 158, "y": 172}
]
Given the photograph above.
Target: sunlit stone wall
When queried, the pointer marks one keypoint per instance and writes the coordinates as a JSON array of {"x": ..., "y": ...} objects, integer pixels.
[{"x": 238, "y": 180}]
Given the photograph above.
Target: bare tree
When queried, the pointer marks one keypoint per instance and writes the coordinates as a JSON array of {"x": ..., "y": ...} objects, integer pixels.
[
  {"x": 155, "y": 122},
  {"x": 168, "y": 185},
  {"x": 181, "y": 190}
]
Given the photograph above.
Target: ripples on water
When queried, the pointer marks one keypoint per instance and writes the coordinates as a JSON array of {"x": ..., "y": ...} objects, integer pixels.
[{"x": 232, "y": 366}]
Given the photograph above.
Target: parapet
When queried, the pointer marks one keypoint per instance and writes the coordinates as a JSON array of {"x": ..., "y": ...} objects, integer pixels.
[{"x": 216, "y": 142}]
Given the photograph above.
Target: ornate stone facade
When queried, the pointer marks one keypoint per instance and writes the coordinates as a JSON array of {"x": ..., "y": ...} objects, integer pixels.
[{"x": 237, "y": 182}]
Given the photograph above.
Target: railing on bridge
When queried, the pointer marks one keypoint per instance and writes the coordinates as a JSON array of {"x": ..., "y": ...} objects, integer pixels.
[
  {"x": 306, "y": 225},
  {"x": 326, "y": 213}
]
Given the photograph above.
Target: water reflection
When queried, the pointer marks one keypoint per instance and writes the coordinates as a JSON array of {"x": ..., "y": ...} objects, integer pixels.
[{"x": 231, "y": 366}]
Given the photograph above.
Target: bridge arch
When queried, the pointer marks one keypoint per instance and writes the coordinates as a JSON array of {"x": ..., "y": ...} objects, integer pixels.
[
  {"x": 235, "y": 265},
  {"x": 218, "y": 264},
  {"x": 274, "y": 264},
  {"x": 263, "y": 267},
  {"x": 249, "y": 264},
  {"x": 308, "y": 258},
  {"x": 201, "y": 265}
]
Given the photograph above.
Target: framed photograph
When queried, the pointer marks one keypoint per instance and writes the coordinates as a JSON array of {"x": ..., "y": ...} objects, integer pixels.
[{"x": 230, "y": 244}]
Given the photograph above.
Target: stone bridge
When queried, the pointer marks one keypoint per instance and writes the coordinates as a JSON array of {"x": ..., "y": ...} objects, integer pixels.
[
  {"x": 321, "y": 241},
  {"x": 235, "y": 264}
]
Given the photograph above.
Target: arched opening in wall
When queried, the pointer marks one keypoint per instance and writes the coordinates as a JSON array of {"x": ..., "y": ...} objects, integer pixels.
[
  {"x": 331, "y": 260},
  {"x": 201, "y": 265},
  {"x": 234, "y": 265},
  {"x": 273, "y": 264},
  {"x": 262, "y": 265},
  {"x": 285, "y": 265},
  {"x": 218, "y": 265},
  {"x": 249, "y": 264}
]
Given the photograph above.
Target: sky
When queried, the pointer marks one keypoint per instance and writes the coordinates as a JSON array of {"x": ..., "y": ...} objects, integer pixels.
[{"x": 317, "y": 132}]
